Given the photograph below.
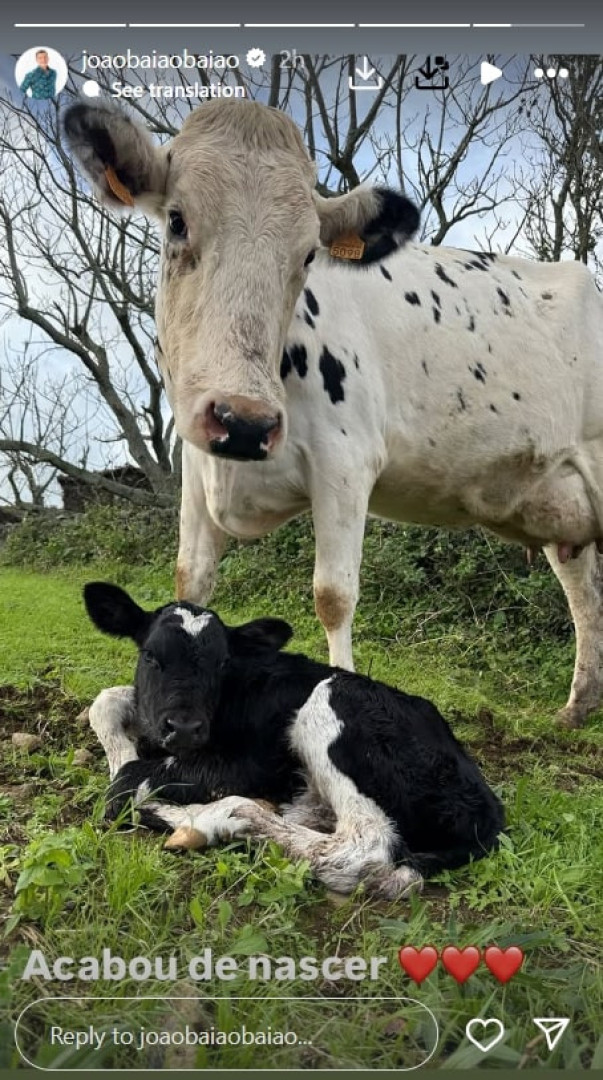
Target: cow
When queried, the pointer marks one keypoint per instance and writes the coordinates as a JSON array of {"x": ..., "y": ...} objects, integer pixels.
[
  {"x": 414, "y": 383},
  {"x": 371, "y": 783}
]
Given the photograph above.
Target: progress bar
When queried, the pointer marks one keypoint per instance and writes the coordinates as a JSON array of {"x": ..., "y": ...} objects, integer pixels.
[{"x": 297, "y": 26}]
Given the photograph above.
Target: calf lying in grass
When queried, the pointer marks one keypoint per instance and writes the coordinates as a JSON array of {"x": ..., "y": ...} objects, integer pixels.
[{"x": 370, "y": 783}]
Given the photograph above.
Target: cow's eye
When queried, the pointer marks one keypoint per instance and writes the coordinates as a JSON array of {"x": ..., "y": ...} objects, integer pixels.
[
  {"x": 309, "y": 257},
  {"x": 151, "y": 660},
  {"x": 177, "y": 225}
]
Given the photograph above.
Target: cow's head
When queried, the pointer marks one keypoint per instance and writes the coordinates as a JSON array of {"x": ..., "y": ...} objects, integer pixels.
[
  {"x": 234, "y": 191},
  {"x": 184, "y": 654}
]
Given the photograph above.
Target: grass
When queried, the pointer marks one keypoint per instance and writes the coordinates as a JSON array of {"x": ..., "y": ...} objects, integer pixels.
[{"x": 75, "y": 886}]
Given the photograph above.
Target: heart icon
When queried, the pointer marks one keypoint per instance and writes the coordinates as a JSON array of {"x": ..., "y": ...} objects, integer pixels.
[
  {"x": 418, "y": 963},
  {"x": 503, "y": 963},
  {"x": 460, "y": 963},
  {"x": 484, "y": 1044}
]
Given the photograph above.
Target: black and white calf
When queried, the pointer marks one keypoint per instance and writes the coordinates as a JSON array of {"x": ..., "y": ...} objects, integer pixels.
[{"x": 370, "y": 783}]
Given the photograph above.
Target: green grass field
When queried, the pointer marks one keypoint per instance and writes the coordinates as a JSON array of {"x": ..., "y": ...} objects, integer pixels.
[{"x": 491, "y": 650}]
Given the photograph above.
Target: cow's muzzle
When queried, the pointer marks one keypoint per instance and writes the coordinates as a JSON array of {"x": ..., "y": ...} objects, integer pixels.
[{"x": 240, "y": 428}]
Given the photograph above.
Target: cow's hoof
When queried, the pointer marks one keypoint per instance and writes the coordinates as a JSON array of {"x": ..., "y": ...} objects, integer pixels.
[
  {"x": 186, "y": 839},
  {"x": 569, "y": 718}
]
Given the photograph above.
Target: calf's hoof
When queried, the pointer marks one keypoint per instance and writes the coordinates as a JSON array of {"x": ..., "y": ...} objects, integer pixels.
[
  {"x": 390, "y": 884},
  {"x": 186, "y": 838}
]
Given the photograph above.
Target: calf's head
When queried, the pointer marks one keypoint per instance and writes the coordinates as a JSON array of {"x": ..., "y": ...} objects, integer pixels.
[
  {"x": 184, "y": 652},
  {"x": 234, "y": 191}
]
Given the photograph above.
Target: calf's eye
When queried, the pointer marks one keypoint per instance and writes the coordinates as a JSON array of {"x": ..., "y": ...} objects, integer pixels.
[
  {"x": 177, "y": 225},
  {"x": 151, "y": 660},
  {"x": 309, "y": 258}
]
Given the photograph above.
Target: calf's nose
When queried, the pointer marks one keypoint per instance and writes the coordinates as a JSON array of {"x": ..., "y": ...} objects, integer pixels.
[{"x": 181, "y": 729}]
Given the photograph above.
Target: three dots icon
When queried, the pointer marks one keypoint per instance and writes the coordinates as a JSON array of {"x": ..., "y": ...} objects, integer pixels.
[{"x": 551, "y": 73}]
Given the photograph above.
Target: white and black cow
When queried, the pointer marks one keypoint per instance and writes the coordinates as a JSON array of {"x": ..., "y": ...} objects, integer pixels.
[
  {"x": 371, "y": 783},
  {"x": 423, "y": 384}
]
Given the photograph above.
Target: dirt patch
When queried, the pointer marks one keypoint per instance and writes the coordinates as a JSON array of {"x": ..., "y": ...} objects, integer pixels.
[
  {"x": 504, "y": 757},
  {"x": 42, "y": 709},
  {"x": 42, "y": 786}
]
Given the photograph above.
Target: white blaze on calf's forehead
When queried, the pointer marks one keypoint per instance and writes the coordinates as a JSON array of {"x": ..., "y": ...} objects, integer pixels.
[{"x": 193, "y": 624}]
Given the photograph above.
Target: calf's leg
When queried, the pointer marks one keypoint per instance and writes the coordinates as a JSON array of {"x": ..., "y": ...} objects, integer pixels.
[
  {"x": 112, "y": 716},
  {"x": 582, "y": 582}
]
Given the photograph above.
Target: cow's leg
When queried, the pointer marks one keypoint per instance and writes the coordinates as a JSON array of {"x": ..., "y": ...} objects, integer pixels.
[
  {"x": 112, "y": 715},
  {"x": 339, "y": 511},
  {"x": 201, "y": 541},
  {"x": 582, "y": 582}
]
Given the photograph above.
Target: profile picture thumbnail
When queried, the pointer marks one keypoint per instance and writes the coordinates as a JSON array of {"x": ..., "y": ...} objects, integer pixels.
[{"x": 41, "y": 73}]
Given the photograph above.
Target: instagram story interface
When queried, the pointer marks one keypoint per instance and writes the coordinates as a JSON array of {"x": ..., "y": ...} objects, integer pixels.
[{"x": 301, "y": 529}]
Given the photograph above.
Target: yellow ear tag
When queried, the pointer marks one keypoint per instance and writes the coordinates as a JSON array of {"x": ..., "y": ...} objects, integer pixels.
[
  {"x": 347, "y": 246},
  {"x": 117, "y": 187}
]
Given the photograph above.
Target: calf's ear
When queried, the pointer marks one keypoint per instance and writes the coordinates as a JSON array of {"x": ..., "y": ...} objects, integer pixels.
[
  {"x": 117, "y": 155},
  {"x": 259, "y": 635},
  {"x": 114, "y": 612}
]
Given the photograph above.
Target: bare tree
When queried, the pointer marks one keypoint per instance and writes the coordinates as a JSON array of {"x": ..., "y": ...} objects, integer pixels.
[
  {"x": 562, "y": 187},
  {"x": 85, "y": 280}
]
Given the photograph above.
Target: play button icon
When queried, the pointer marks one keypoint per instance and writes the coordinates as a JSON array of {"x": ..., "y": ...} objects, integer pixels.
[{"x": 488, "y": 73}]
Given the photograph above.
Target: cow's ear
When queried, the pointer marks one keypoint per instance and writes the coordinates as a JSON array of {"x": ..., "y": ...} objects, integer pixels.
[
  {"x": 259, "y": 635},
  {"x": 117, "y": 155},
  {"x": 115, "y": 613},
  {"x": 382, "y": 219}
]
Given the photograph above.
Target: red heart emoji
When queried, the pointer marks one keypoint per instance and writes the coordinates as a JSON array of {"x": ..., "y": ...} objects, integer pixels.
[
  {"x": 503, "y": 963},
  {"x": 418, "y": 963},
  {"x": 460, "y": 963}
]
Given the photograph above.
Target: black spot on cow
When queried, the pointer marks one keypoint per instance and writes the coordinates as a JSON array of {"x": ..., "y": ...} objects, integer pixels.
[
  {"x": 311, "y": 301},
  {"x": 479, "y": 372},
  {"x": 309, "y": 320},
  {"x": 424, "y": 366},
  {"x": 443, "y": 276},
  {"x": 356, "y": 362},
  {"x": 481, "y": 260},
  {"x": 516, "y": 275},
  {"x": 333, "y": 373},
  {"x": 437, "y": 314},
  {"x": 386, "y": 273},
  {"x": 457, "y": 309},
  {"x": 503, "y": 296},
  {"x": 471, "y": 325},
  {"x": 299, "y": 359},
  {"x": 436, "y": 299},
  {"x": 493, "y": 409},
  {"x": 461, "y": 400},
  {"x": 412, "y": 298},
  {"x": 285, "y": 365},
  {"x": 489, "y": 348},
  {"x": 475, "y": 264},
  {"x": 547, "y": 295},
  {"x": 343, "y": 431},
  {"x": 516, "y": 396}
]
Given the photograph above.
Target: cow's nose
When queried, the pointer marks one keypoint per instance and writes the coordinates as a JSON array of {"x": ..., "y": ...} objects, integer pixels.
[{"x": 245, "y": 434}]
